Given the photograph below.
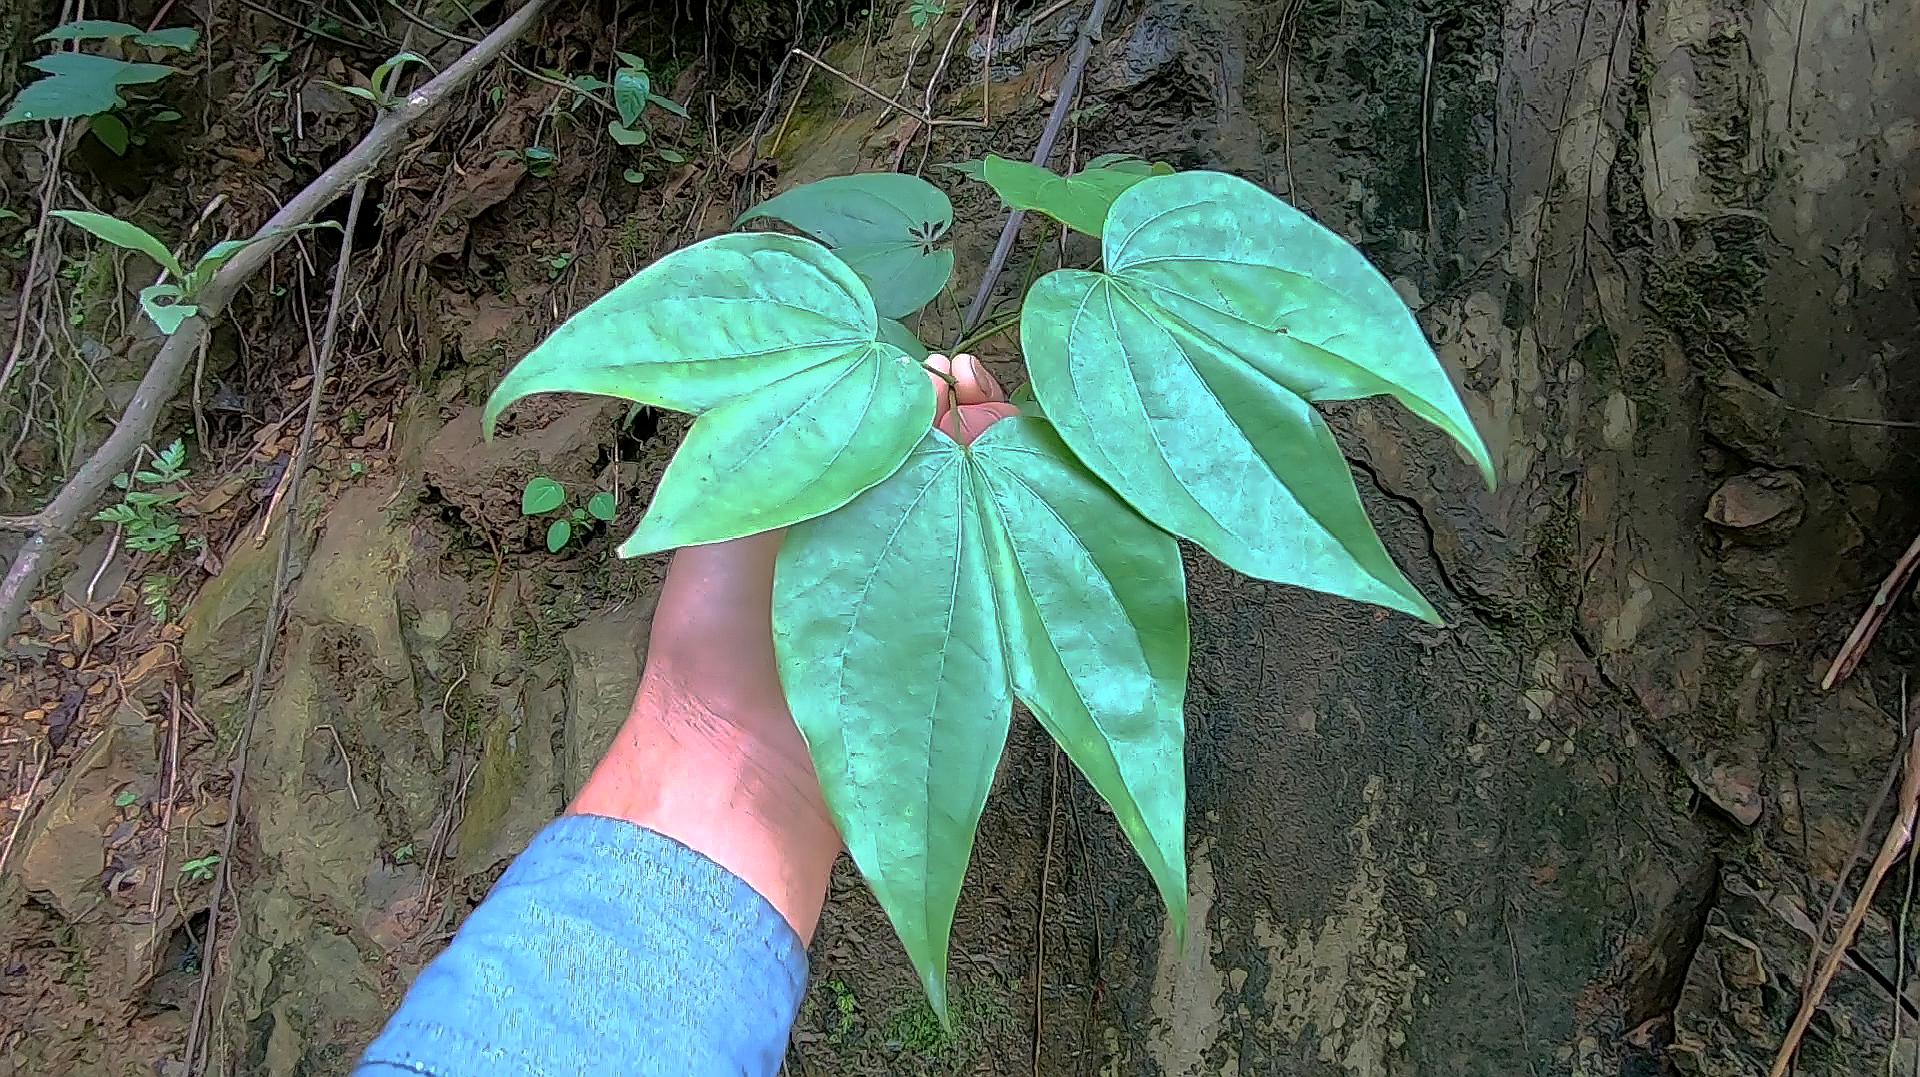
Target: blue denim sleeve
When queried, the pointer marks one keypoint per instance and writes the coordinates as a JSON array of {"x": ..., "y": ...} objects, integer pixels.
[{"x": 605, "y": 948}]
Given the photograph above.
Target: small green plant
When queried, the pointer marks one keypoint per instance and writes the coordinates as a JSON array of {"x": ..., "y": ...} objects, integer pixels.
[
  {"x": 145, "y": 512},
  {"x": 272, "y": 57},
  {"x": 543, "y": 495},
  {"x": 403, "y": 854},
  {"x": 632, "y": 95},
  {"x": 168, "y": 305},
  {"x": 156, "y": 594},
  {"x": 379, "y": 86},
  {"x": 845, "y": 1006},
  {"x": 557, "y": 264},
  {"x": 126, "y": 799},
  {"x": 924, "y": 12},
  {"x": 200, "y": 869},
  {"x": 1172, "y": 396},
  {"x": 538, "y": 160},
  {"x": 83, "y": 85}
]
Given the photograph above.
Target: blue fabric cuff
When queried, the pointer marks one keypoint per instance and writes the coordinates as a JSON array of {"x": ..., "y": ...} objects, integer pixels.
[{"x": 605, "y": 948}]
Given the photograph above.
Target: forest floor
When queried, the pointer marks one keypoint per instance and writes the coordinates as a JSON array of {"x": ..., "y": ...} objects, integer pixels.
[{"x": 440, "y": 682}]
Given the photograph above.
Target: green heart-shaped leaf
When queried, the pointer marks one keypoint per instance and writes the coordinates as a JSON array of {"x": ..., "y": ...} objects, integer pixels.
[
  {"x": 541, "y": 495},
  {"x": 895, "y": 672},
  {"x": 1079, "y": 201},
  {"x": 906, "y": 620},
  {"x": 774, "y": 343},
  {"x": 884, "y": 224},
  {"x": 1093, "y": 607},
  {"x": 1183, "y": 375}
]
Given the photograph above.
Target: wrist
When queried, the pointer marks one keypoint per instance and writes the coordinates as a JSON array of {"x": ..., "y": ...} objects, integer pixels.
[{"x": 682, "y": 770}]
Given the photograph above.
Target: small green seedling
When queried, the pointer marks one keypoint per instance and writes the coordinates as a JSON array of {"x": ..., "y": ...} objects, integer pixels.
[
  {"x": 379, "y": 88},
  {"x": 145, "y": 516},
  {"x": 83, "y": 85},
  {"x": 156, "y": 594},
  {"x": 632, "y": 94},
  {"x": 272, "y": 57},
  {"x": 542, "y": 495},
  {"x": 168, "y": 305},
  {"x": 558, "y": 264},
  {"x": 924, "y": 12},
  {"x": 403, "y": 854},
  {"x": 127, "y": 799},
  {"x": 200, "y": 869},
  {"x": 538, "y": 160}
]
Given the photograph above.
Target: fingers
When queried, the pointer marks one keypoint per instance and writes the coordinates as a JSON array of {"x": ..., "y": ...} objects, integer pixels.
[
  {"x": 972, "y": 382},
  {"x": 970, "y": 402},
  {"x": 969, "y": 421}
]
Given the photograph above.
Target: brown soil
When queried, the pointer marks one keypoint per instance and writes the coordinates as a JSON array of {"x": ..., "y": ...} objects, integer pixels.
[{"x": 1585, "y": 828}]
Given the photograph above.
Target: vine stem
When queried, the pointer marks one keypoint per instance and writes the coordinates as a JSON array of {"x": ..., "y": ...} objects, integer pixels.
[
  {"x": 322, "y": 358},
  {"x": 162, "y": 380},
  {"x": 1042, "y": 153}
]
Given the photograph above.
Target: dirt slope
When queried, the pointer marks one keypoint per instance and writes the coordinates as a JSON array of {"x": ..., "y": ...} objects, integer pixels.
[{"x": 1666, "y": 246}]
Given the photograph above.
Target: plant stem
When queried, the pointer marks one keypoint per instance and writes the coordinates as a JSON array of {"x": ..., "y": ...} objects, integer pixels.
[
  {"x": 270, "y": 632},
  {"x": 1042, "y": 153}
]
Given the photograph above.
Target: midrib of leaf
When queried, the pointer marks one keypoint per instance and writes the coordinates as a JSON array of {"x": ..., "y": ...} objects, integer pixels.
[
  {"x": 1145, "y": 842},
  {"x": 852, "y": 364},
  {"x": 1155, "y": 313}
]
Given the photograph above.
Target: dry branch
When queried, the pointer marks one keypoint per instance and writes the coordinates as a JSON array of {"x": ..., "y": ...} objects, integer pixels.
[
  {"x": 1852, "y": 651},
  {"x": 1897, "y": 839},
  {"x": 70, "y": 506},
  {"x": 1042, "y": 153}
]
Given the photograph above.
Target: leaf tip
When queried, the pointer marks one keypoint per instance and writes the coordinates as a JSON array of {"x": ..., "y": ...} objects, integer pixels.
[{"x": 642, "y": 542}]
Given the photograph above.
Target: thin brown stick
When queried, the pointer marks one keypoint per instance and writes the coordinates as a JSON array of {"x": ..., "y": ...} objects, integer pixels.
[
  {"x": 940, "y": 68},
  {"x": 270, "y": 632},
  {"x": 1855, "y": 648},
  {"x": 1042, "y": 153},
  {"x": 1898, "y": 836},
  {"x": 55, "y": 145},
  {"x": 26, "y": 806},
  {"x": 986, "y": 67},
  {"x": 1040, "y": 914},
  {"x": 878, "y": 96},
  {"x": 69, "y": 507}
]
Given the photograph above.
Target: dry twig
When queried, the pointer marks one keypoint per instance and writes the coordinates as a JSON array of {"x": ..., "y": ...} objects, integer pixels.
[
  {"x": 1042, "y": 153},
  {"x": 1898, "y": 836},
  {"x": 296, "y": 470},
  {"x": 69, "y": 507},
  {"x": 1871, "y": 619}
]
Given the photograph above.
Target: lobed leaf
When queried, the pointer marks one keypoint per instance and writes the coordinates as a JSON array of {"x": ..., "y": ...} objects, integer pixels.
[
  {"x": 882, "y": 224},
  {"x": 893, "y": 666},
  {"x": 1093, "y": 606},
  {"x": 1183, "y": 377},
  {"x": 91, "y": 30},
  {"x": 773, "y": 342},
  {"x": 100, "y": 69},
  {"x": 906, "y": 620},
  {"x": 810, "y": 441}
]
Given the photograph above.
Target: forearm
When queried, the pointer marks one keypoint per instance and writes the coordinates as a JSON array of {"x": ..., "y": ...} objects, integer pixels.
[
  {"x": 709, "y": 757},
  {"x": 664, "y": 921}
]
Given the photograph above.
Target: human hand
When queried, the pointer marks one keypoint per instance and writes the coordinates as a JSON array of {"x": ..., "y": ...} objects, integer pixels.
[
  {"x": 968, "y": 399},
  {"x": 709, "y": 755}
]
